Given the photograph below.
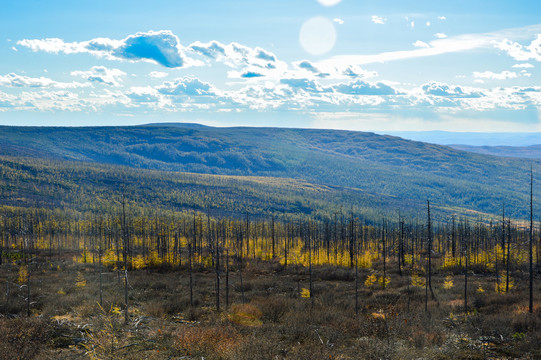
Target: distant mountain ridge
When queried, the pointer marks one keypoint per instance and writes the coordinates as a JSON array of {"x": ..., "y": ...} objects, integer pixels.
[
  {"x": 180, "y": 125},
  {"x": 529, "y": 152},
  {"x": 471, "y": 138},
  {"x": 386, "y": 165}
]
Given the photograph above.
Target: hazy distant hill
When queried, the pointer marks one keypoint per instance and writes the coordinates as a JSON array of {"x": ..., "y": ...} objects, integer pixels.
[
  {"x": 380, "y": 165},
  {"x": 530, "y": 152},
  {"x": 472, "y": 138}
]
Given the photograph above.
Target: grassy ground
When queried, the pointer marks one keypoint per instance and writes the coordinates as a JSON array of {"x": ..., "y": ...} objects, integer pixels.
[{"x": 275, "y": 322}]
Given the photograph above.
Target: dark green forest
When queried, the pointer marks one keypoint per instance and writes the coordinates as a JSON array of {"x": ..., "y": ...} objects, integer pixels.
[{"x": 356, "y": 169}]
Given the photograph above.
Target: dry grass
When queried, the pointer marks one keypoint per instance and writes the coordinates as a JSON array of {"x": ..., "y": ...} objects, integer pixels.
[{"x": 275, "y": 322}]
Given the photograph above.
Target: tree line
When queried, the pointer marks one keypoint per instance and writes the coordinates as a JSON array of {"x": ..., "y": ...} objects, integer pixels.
[{"x": 194, "y": 241}]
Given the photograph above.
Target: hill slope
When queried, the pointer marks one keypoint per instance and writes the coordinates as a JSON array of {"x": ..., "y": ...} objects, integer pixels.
[
  {"x": 97, "y": 189},
  {"x": 380, "y": 165}
]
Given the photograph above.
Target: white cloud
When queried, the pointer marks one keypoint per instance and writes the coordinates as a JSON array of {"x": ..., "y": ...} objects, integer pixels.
[
  {"x": 428, "y": 23},
  {"x": 442, "y": 18},
  {"x": 378, "y": 20},
  {"x": 15, "y": 80},
  {"x": 338, "y": 21},
  {"x": 7, "y": 101},
  {"x": 187, "y": 86},
  {"x": 520, "y": 52},
  {"x": 412, "y": 24},
  {"x": 252, "y": 62},
  {"x": 102, "y": 74},
  {"x": 455, "y": 44},
  {"x": 495, "y": 76},
  {"x": 440, "y": 35},
  {"x": 157, "y": 74},
  {"x": 452, "y": 91},
  {"x": 161, "y": 47},
  {"x": 523, "y": 66},
  {"x": 306, "y": 69},
  {"x": 147, "y": 95},
  {"x": 304, "y": 84},
  {"x": 360, "y": 87},
  {"x": 50, "y": 100},
  {"x": 420, "y": 44}
]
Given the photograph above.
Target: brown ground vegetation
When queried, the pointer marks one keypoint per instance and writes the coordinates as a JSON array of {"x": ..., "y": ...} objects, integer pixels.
[{"x": 275, "y": 322}]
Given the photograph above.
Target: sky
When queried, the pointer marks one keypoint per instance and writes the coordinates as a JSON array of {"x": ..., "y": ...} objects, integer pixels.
[{"x": 378, "y": 65}]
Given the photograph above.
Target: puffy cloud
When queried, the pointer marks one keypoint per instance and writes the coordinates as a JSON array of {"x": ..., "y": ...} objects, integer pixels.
[
  {"x": 144, "y": 94},
  {"x": 332, "y": 71},
  {"x": 251, "y": 74},
  {"x": 161, "y": 47},
  {"x": 51, "y": 100},
  {"x": 157, "y": 74},
  {"x": 442, "y": 18},
  {"x": 15, "y": 80},
  {"x": 523, "y": 66},
  {"x": 444, "y": 90},
  {"x": 354, "y": 71},
  {"x": 420, "y": 44},
  {"x": 378, "y": 20},
  {"x": 187, "y": 86},
  {"x": 304, "y": 84},
  {"x": 307, "y": 65},
  {"x": 235, "y": 55},
  {"x": 102, "y": 74},
  {"x": 6, "y": 101},
  {"x": 495, "y": 76},
  {"x": 520, "y": 52},
  {"x": 252, "y": 62},
  {"x": 338, "y": 21},
  {"x": 361, "y": 87},
  {"x": 440, "y": 35},
  {"x": 148, "y": 96}
]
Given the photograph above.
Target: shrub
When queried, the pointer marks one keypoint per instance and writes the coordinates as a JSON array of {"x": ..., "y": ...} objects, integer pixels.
[
  {"x": 217, "y": 342},
  {"x": 22, "y": 338}
]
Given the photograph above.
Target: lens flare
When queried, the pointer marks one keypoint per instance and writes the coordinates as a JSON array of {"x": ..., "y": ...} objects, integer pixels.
[{"x": 317, "y": 35}]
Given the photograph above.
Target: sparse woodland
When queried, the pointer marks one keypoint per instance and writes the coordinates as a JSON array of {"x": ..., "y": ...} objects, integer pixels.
[{"x": 191, "y": 285}]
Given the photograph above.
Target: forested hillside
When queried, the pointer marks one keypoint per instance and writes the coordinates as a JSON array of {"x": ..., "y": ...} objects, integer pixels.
[
  {"x": 87, "y": 188},
  {"x": 383, "y": 166}
]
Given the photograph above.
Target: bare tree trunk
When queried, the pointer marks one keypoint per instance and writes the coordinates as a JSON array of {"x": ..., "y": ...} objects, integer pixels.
[
  {"x": 190, "y": 270},
  {"x": 28, "y": 288},
  {"x": 217, "y": 263},
  {"x": 227, "y": 278},
  {"x": 508, "y": 260},
  {"x": 99, "y": 264},
  {"x": 272, "y": 236},
  {"x": 125, "y": 256},
  {"x": 531, "y": 241},
  {"x": 356, "y": 277},
  {"x": 310, "y": 268},
  {"x": 384, "y": 240},
  {"x": 466, "y": 262}
]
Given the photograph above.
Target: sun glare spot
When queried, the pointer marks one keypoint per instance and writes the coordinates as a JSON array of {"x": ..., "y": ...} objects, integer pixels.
[
  {"x": 328, "y": 2},
  {"x": 317, "y": 35}
]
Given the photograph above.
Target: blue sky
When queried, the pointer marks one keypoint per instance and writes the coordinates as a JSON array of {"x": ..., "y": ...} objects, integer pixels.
[{"x": 361, "y": 65}]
